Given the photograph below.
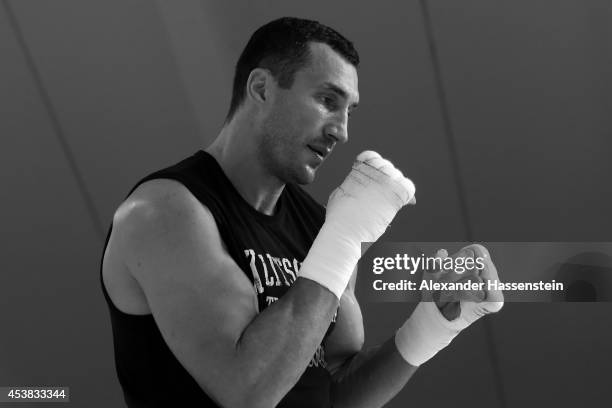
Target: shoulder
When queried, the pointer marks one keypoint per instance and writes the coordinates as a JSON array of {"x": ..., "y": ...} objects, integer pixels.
[
  {"x": 160, "y": 212},
  {"x": 155, "y": 201},
  {"x": 171, "y": 240}
]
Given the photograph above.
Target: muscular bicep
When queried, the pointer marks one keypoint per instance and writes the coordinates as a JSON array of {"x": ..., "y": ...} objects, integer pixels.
[{"x": 198, "y": 296}]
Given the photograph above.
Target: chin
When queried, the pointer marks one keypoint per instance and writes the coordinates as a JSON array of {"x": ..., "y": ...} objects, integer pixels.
[{"x": 303, "y": 176}]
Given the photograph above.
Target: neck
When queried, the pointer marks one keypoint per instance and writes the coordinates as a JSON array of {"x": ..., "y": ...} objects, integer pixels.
[{"x": 235, "y": 148}]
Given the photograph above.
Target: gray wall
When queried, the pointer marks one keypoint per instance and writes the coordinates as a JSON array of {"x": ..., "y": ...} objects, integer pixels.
[{"x": 500, "y": 112}]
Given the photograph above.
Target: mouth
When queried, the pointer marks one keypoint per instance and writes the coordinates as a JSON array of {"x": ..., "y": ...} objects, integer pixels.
[{"x": 320, "y": 152}]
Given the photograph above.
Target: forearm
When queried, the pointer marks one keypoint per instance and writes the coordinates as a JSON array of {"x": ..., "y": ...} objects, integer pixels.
[
  {"x": 276, "y": 347},
  {"x": 371, "y": 378}
]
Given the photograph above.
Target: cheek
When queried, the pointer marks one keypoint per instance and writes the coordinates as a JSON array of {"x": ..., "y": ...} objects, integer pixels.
[
  {"x": 308, "y": 118},
  {"x": 286, "y": 115},
  {"x": 297, "y": 119}
]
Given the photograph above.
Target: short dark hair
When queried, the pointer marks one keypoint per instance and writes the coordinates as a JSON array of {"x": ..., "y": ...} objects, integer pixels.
[{"x": 281, "y": 46}]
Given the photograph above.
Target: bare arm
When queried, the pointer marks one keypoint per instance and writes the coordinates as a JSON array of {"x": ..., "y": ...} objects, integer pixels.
[
  {"x": 362, "y": 377},
  {"x": 205, "y": 306},
  {"x": 371, "y": 378}
]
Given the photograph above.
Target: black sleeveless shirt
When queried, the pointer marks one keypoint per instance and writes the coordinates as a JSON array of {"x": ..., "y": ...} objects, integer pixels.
[{"x": 268, "y": 249}]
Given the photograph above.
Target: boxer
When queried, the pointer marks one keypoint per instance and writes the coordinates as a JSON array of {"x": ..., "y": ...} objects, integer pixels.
[{"x": 229, "y": 286}]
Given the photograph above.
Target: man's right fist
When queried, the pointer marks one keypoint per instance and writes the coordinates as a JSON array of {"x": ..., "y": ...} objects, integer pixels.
[
  {"x": 368, "y": 199},
  {"x": 358, "y": 211}
]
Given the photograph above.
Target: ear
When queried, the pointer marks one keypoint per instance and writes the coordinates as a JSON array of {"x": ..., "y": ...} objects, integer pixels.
[{"x": 258, "y": 85}]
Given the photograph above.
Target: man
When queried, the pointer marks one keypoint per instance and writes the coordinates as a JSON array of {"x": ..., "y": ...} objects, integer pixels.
[{"x": 229, "y": 286}]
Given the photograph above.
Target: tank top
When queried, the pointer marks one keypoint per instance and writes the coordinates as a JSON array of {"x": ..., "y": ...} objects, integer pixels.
[{"x": 268, "y": 249}]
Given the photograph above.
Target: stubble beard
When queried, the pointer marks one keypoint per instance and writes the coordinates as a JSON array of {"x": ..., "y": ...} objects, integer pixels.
[{"x": 281, "y": 159}]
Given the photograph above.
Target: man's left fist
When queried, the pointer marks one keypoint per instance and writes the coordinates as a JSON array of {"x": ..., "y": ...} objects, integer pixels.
[
  {"x": 440, "y": 316},
  {"x": 466, "y": 306}
]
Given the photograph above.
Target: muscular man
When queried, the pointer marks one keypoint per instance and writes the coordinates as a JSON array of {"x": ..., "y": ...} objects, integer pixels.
[{"x": 229, "y": 286}]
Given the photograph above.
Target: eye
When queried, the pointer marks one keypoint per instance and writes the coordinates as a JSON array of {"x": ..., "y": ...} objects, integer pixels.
[{"x": 329, "y": 102}]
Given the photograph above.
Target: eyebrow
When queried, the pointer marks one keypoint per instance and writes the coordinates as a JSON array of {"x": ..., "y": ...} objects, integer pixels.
[{"x": 336, "y": 89}]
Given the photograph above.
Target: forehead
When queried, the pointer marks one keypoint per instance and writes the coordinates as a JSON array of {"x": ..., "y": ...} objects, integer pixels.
[{"x": 326, "y": 66}]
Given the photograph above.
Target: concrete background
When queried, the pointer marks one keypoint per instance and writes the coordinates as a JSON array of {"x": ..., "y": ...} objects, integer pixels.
[{"x": 500, "y": 112}]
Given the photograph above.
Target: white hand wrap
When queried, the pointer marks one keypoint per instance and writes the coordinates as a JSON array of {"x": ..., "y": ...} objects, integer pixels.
[
  {"x": 427, "y": 331},
  {"x": 360, "y": 210}
]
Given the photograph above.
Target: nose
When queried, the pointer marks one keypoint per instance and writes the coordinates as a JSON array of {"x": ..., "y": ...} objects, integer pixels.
[{"x": 338, "y": 130}]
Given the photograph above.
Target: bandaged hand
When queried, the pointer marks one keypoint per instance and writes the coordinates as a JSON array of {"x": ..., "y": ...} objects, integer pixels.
[
  {"x": 440, "y": 316},
  {"x": 360, "y": 210}
]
